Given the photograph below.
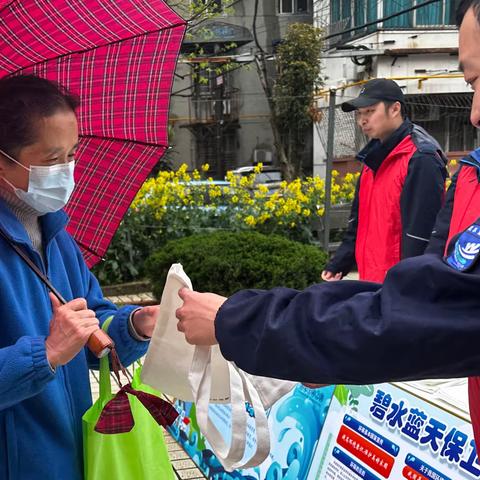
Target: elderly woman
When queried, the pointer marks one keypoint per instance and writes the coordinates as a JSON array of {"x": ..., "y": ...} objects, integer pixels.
[{"x": 44, "y": 382}]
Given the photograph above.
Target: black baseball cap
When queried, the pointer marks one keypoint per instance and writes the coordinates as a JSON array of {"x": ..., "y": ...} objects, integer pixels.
[{"x": 374, "y": 91}]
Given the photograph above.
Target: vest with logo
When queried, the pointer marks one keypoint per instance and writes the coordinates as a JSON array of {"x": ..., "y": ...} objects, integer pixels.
[
  {"x": 466, "y": 210},
  {"x": 379, "y": 232},
  {"x": 466, "y": 201}
]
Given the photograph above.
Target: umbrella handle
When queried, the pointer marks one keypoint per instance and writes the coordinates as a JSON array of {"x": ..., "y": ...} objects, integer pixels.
[{"x": 100, "y": 344}]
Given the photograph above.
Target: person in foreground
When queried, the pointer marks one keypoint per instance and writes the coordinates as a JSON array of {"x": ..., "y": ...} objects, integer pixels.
[
  {"x": 44, "y": 378},
  {"x": 424, "y": 322}
]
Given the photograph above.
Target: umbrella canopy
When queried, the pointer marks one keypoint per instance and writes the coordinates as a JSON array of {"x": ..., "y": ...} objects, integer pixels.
[{"x": 119, "y": 57}]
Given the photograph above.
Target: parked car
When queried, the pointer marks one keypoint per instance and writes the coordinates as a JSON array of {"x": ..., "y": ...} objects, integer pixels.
[
  {"x": 206, "y": 184},
  {"x": 271, "y": 177}
]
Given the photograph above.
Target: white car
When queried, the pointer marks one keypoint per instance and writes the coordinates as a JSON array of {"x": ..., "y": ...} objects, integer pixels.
[{"x": 271, "y": 177}]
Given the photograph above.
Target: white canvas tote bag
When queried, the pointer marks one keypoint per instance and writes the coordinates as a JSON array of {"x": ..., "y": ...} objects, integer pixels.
[{"x": 203, "y": 376}]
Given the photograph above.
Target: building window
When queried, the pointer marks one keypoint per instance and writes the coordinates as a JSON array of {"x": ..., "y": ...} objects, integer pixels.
[
  {"x": 391, "y": 7},
  {"x": 365, "y": 11},
  {"x": 440, "y": 13},
  {"x": 292, "y": 6},
  {"x": 340, "y": 18},
  {"x": 346, "y": 14},
  {"x": 435, "y": 14}
]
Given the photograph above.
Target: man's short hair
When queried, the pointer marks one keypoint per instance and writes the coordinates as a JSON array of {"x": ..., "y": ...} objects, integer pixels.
[{"x": 463, "y": 8}]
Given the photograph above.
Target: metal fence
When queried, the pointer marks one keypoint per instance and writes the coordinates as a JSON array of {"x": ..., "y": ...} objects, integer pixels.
[{"x": 445, "y": 116}]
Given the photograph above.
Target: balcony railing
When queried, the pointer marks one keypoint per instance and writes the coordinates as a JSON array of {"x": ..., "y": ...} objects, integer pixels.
[{"x": 212, "y": 110}]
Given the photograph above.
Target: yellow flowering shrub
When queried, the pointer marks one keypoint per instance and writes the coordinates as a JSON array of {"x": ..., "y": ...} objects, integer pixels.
[
  {"x": 173, "y": 197},
  {"x": 452, "y": 167},
  {"x": 181, "y": 203}
]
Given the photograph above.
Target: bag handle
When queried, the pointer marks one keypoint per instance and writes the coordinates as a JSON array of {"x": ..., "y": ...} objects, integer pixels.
[
  {"x": 262, "y": 449},
  {"x": 200, "y": 378},
  {"x": 105, "y": 393},
  {"x": 241, "y": 389},
  {"x": 116, "y": 415}
]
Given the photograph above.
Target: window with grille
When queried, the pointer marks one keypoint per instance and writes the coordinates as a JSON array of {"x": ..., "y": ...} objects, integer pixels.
[
  {"x": 345, "y": 14},
  {"x": 292, "y": 6},
  {"x": 434, "y": 14}
]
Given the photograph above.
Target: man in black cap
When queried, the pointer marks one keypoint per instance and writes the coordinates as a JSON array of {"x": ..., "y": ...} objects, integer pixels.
[{"x": 400, "y": 189}]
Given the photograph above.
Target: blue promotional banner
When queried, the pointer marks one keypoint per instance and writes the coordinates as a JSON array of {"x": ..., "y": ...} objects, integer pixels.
[
  {"x": 295, "y": 423},
  {"x": 382, "y": 431}
]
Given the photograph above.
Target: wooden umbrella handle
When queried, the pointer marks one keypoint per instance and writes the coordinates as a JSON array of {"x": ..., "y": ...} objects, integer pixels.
[{"x": 100, "y": 344}]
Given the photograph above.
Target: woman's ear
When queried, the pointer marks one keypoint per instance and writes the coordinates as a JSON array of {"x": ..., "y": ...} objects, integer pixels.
[
  {"x": 5, "y": 166},
  {"x": 5, "y": 163}
]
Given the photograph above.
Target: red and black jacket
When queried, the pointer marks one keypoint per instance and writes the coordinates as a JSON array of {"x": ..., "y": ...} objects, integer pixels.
[
  {"x": 462, "y": 205},
  {"x": 461, "y": 210},
  {"x": 398, "y": 196}
]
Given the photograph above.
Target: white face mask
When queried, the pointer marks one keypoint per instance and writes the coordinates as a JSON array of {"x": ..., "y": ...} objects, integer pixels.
[{"x": 49, "y": 187}]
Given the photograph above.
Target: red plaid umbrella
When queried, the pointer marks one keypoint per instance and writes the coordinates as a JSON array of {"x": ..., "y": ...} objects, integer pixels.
[{"x": 119, "y": 57}]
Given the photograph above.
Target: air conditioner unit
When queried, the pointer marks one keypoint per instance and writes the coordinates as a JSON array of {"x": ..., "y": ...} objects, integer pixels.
[{"x": 262, "y": 156}]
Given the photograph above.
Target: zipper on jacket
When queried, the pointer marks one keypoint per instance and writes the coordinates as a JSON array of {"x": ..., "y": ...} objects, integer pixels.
[
  {"x": 68, "y": 394},
  {"x": 63, "y": 368},
  {"x": 367, "y": 229}
]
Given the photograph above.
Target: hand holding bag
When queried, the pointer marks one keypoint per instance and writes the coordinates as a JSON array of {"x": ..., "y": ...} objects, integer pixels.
[{"x": 202, "y": 375}]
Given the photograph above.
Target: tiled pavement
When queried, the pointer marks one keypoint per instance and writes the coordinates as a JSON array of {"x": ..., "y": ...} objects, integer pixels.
[{"x": 146, "y": 298}]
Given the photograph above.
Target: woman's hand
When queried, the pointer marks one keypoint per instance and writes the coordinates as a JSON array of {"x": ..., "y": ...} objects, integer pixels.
[
  {"x": 144, "y": 320},
  {"x": 70, "y": 328}
]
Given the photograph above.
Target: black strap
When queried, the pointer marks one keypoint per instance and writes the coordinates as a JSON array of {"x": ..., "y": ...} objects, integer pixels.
[{"x": 34, "y": 268}]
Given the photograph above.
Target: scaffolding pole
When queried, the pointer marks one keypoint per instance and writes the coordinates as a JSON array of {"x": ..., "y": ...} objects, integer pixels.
[{"x": 329, "y": 166}]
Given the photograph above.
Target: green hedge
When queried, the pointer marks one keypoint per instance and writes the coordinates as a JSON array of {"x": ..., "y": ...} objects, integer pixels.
[{"x": 225, "y": 262}]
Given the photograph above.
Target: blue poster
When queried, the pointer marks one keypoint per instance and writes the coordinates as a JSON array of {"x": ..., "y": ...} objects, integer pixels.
[
  {"x": 295, "y": 423},
  {"x": 382, "y": 431}
]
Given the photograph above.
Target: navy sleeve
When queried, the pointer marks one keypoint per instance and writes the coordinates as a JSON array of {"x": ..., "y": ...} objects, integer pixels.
[
  {"x": 441, "y": 229},
  {"x": 422, "y": 198},
  {"x": 344, "y": 259},
  {"x": 423, "y": 323}
]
